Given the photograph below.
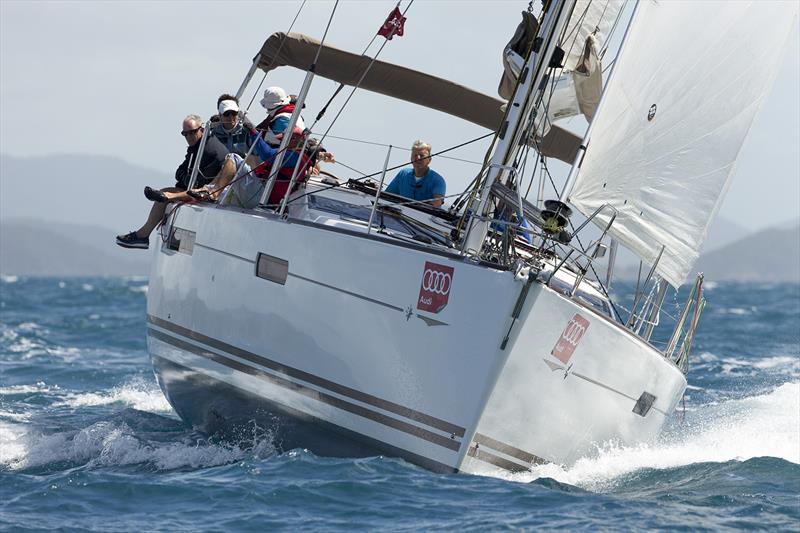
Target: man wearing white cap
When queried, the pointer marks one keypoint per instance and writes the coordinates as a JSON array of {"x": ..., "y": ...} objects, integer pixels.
[
  {"x": 232, "y": 130},
  {"x": 280, "y": 107}
]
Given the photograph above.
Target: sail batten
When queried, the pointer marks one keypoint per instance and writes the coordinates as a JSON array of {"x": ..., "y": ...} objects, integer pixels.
[{"x": 691, "y": 78}]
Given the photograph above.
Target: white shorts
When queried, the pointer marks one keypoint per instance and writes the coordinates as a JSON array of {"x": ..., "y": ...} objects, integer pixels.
[{"x": 245, "y": 188}]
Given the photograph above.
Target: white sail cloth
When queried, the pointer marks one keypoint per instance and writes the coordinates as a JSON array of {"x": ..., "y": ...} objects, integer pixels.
[
  {"x": 688, "y": 84},
  {"x": 589, "y": 17}
]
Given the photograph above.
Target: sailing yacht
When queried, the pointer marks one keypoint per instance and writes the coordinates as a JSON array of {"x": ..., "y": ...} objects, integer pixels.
[{"x": 350, "y": 322}]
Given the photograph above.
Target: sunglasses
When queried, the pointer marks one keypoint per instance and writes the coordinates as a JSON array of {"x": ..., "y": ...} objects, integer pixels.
[
  {"x": 189, "y": 132},
  {"x": 230, "y": 113}
]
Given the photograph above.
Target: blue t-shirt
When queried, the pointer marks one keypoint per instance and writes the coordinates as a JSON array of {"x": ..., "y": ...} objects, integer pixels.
[{"x": 405, "y": 184}]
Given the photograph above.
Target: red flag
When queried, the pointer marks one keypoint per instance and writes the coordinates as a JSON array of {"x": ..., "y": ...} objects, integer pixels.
[{"x": 393, "y": 25}]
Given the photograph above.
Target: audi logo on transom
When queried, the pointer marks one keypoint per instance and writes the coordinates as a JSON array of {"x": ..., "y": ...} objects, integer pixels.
[{"x": 434, "y": 290}]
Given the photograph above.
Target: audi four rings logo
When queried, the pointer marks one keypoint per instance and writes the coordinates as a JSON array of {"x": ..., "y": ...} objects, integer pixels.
[
  {"x": 573, "y": 332},
  {"x": 437, "y": 282},
  {"x": 570, "y": 338},
  {"x": 435, "y": 286}
]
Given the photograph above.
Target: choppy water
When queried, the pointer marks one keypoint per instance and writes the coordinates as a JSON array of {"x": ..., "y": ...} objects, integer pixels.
[{"x": 87, "y": 441}]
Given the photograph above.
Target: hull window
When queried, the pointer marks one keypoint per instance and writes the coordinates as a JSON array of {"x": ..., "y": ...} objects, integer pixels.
[
  {"x": 272, "y": 268},
  {"x": 644, "y": 403},
  {"x": 181, "y": 240}
]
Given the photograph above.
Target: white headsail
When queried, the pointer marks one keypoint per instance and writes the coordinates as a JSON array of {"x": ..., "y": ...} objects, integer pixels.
[{"x": 690, "y": 79}]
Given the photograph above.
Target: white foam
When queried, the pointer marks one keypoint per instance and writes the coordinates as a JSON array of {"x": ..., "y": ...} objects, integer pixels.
[
  {"x": 752, "y": 366},
  {"x": 136, "y": 394},
  {"x": 9, "y": 334},
  {"x": 28, "y": 347},
  {"x": 139, "y": 288},
  {"x": 778, "y": 361},
  {"x": 9, "y": 279},
  {"x": 12, "y": 446},
  {"x": 759, "y": 426},
  {"x": 740, "y": 310},
  {"x": 40, "y": 386},
  {"x": 109, "y": 444},
  {"x": 87, "y": 287},
  {"x": 61, "y": 284}
]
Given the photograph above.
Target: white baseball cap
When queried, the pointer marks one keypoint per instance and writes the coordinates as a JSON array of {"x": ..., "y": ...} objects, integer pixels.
[{"x": 228, "y": 105}]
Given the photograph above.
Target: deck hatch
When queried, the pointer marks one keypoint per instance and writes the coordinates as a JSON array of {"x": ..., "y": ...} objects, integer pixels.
[{"x": 272, "y": 268}]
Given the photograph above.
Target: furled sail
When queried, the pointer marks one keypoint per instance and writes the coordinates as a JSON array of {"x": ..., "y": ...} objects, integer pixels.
[
  {"x": 590, "y": 17},
  {"x": 690, "y": 79}
]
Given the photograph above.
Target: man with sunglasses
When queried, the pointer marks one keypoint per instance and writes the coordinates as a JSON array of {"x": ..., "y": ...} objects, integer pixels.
[
  {"x": 420, "y": 182},
  {"x": 232, "y": 129},
  {"x": 212, "y": 163}
]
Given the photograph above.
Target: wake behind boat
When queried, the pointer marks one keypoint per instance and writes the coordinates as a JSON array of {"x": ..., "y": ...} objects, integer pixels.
[{"x": 357, "y": 322}]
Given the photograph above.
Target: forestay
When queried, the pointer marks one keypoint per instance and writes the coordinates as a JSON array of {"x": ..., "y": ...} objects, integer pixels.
[{"x": 690, "y": 79}]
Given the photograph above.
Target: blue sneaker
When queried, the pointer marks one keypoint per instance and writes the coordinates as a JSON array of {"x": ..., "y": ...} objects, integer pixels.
[{"x": 132, "y": 241}]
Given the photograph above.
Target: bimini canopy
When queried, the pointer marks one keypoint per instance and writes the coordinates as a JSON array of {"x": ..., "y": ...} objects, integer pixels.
[{"x": 298, "y": 51}]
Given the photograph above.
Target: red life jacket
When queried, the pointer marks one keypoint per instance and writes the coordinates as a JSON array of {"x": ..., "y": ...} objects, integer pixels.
[
  {"x": 284, "y": 177},
  {"x": 266, "y": 124}
]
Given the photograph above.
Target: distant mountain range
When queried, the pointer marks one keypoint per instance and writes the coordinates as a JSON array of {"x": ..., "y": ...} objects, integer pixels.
[
  {"x": 769, "y": 255},
  {"x": 34, "y": 248}
]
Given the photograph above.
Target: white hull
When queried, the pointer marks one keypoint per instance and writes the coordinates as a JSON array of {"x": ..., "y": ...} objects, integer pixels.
[{"x": 372, "y": 371}]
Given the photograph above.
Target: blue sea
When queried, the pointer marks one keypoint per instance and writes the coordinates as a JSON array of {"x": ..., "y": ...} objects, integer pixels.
[{"x": 88, "y": 442}]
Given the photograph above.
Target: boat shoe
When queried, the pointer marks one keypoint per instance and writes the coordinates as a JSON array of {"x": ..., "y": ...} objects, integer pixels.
[{"x": 131, "y": 240}]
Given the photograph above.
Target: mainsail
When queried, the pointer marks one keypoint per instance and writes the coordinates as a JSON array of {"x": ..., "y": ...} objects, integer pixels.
[{"x": 689, "y": 81}]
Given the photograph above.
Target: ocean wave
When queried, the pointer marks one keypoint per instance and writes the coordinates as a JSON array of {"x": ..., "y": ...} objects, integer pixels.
[
  {"x": 8, "y": 278},
  {"x": 39, "y": 386},
  {"x": 736, "y": 365},
  {"x": 12, "y": 447},
  {"x": 137, "y": 394},
  {"x": 110, "y": 444},
  {"x": 735, "y": 430}
]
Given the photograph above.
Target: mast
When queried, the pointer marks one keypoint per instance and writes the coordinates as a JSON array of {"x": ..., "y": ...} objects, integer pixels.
[{"x": 521, "y": 105}]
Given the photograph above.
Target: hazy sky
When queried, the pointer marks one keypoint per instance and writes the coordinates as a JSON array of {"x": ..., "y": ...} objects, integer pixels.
[{"x": 117, "y": 78}]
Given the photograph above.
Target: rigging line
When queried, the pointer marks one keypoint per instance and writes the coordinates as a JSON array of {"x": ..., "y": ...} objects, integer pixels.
[
  {"x": 611, "y": 32},
  {"x": 341, "y": 85},
  {"x": 361, "y": 79},
  {"x": 568, "y": 34},
  {"x": 468, "y": 197},
  {"x": 591, "y": 264},
  {"x": 397, "y": 166},
  {"x": 350, "y": 168},
  {"x": 398, "y": 148},
  {"x": 274, "y": 58},
  {"x": 325, "y": 34},
  {"x": 296, "y": 114}
]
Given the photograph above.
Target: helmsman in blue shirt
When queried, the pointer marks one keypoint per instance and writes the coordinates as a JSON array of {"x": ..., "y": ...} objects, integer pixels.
[{"x": 419, "y": 182}]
